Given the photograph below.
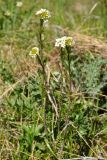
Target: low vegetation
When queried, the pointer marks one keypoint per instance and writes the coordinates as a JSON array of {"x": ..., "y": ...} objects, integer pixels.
[{"x": 53, "y": 98}]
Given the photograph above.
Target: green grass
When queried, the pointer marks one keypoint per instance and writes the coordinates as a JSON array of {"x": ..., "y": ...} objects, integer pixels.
[{"x": 70, "y": 121}]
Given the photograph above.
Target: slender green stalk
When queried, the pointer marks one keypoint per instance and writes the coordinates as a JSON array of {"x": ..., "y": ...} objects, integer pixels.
[
  {"x": 68, "y": 49},
  {"x": 40, "y": 37},
  {"x": 44, "y": 79},
  {"x": 66, "y": 62},
  {"x": 69, "y": 64}
]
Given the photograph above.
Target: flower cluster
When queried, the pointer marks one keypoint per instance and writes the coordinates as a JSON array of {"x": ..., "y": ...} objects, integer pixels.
[
  {"x": 64, "y": 41},
  {"x": 7, "y": 13},
  {"x": 43, "y": 14},
  {"x": 19, "y": 4},
  {"x": 34, "y": 52}
]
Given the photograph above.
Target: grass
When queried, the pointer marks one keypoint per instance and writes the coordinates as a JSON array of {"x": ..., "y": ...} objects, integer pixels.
[{"x": 53, "y": 108}]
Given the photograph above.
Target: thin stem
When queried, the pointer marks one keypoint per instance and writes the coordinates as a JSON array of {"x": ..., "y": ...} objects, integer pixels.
[
  {"x": 44, "y": 78},
  {"x": 69, "y": 69},
  {"x": 40, "y": 37},
  {"x": 66, "y": 62}
]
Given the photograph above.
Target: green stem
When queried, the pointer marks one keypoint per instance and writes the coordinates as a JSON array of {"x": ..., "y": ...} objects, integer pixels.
[
  {"x": 69, "y": 70},
  {"x": 40, "y": 37},
  {"x": 44, "y": 78},
  {"x": 69, "y": 83}
]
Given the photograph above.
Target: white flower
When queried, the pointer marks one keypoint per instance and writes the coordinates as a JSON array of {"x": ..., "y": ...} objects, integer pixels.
[
  {"x": 34, "y": 52},
  {"x": 43, "y": 14},
  {"x": 64, "y": 41},
  {"x": 7, "y": 13},
  {"x": 60, "y": 42},
  {"x": 46, "y": 23},
  {"x": 19, "y": 4}
]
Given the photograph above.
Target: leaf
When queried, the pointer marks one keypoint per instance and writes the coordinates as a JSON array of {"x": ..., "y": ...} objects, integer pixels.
[{"x": 47, "y": 144}]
